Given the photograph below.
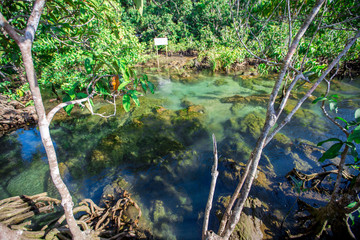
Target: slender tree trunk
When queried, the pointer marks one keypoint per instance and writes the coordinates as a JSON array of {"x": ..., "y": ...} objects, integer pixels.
[
  {"x": 66, "y": 202},
  {"x": 25, "y": 42},
  {"x": 270, "y": 122},
  {"x": 339, "y": 175}
]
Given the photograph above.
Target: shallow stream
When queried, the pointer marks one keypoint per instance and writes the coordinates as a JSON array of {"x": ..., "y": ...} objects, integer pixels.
[{"x": 162, "y": 151}]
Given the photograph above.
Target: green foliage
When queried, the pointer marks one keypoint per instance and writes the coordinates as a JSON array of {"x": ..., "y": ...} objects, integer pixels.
[
  {"x": 264, "y": 69},
  {"x": 354, "y": 137},
  {"x": 113, "y": 85},
  {"x": 332, "y": 152},
  {"x": 70, "y": 34},
  {"x": 298, "y": 184},
  {"x": 101, "y": 33},
  {"x": 221, "y": 58},
  {"x": 332, "y": 100}
]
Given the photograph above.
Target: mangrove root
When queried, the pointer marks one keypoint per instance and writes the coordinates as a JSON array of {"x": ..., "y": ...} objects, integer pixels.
[{"x": 114, "y": 219}]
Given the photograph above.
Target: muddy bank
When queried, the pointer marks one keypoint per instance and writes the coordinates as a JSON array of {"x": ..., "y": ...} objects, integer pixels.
[
  {"x": 190, "y": 61},
  {"x": 180, "y": 62},
  {"x": 15, "y": 115}
]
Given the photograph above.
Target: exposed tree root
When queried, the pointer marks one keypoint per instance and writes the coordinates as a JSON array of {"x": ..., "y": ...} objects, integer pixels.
[
  {"x": 315, "y": 179},
  {"x": 332, "y": 218},
  {"x": 110, "y": 221}
]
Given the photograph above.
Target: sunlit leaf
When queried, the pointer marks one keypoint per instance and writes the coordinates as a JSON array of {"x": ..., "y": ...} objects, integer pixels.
[
  {"x": 351, "y": 205},
  {"x": 135, "y": 99},
  {"x": 69, "y": 108},
  {"x": 122, "y": 85},
  {"x": 341, "y": 119},
  {"x": 355, "y": 135},
  {"x": 126, "y": 102},
  {"x": 19, "y": 92},
  {"x": 319, "y": 99},
  {"x": 357, "y": 115},
  {"x": 333, "y": 106}
]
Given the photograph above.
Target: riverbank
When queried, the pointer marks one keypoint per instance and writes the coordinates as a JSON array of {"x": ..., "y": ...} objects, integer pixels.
[
  {"x": 192, "y": 61},
  {"x": 179, "y": 66},
  {"x": 15, "y": 115}
]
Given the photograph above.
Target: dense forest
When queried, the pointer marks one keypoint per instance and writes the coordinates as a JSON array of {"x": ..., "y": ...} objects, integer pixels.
[{"x": 80, "y": 52}]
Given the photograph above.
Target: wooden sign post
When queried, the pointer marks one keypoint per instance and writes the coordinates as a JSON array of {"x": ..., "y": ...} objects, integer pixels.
[{"x": 160, "y": 41}]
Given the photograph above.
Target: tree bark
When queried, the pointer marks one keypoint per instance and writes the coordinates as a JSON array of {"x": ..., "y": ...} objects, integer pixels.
[
  {"x": 66, "y": 199},
  {"x": 214, "y": 174},
  {"x": 7, "y": 233},
  {"x": 25, "y": 45},
  {"x": 271, "y": 119}
]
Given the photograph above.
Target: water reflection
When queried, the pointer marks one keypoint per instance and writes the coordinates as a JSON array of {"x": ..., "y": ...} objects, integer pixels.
[{"x": 162, "y": 152}]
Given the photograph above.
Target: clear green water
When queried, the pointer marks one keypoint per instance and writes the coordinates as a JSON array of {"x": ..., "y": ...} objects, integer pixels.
[{"x": 164, "y": 159}]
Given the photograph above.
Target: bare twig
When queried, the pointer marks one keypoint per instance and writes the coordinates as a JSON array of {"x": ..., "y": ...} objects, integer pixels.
[
  {"x": 345, "y": 21},
  {"x": 52, "y": 113},
  {"x": 311, "y": 90},
  {"x": 214, "y": 174},
  {"x": 269, "y": 123}
]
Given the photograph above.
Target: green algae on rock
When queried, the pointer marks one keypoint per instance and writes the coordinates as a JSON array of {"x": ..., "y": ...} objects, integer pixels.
[{"x": 150, "y": 137}]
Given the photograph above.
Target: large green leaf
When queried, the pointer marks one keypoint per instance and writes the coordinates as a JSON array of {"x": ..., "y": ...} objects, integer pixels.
[
  {"x": 81, "y": 95},
  {"x": 151, "y": 86},
  {"x": 319, "y": 99},
  {"x": 126, "y": 102},
  {"x": 355, "y": 135},
  {"x": 357, "y": 115},
  {"x": 341, "y": 119},
  {"x": 69, "y": 108},
  {"x": 66, "y": 98},
  {"x": 143, "y": 85},
  {"x": 332, "y": 152},
  {"x": 135, "y": 99},
  {"x": 122, "y": 85},
  {"x": 133, "y": 94},
  {"x": 351, "y": 205},
  {"x": 329, "y": 140}
]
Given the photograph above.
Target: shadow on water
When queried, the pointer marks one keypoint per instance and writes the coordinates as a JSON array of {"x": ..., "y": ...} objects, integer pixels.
[{"x": 161, "y": 153}]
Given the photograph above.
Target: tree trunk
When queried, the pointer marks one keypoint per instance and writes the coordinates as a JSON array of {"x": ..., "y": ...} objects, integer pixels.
[
  {"x": 66, "y": 202},
  {"x": 270, "y": 122}
]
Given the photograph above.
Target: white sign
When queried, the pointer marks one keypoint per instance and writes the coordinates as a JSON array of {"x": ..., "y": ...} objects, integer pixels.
[{"x": 160, "y": 41}]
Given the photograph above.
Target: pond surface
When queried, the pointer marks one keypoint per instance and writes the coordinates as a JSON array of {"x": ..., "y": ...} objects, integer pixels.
[{"x": 162, "y": 151}]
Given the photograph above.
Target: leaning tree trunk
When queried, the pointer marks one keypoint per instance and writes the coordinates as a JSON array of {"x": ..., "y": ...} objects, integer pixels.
[
  {"x": 25, "y": 44},
  {"x": 271, "y": 119},
  {"x": 66, "y": 199}
]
